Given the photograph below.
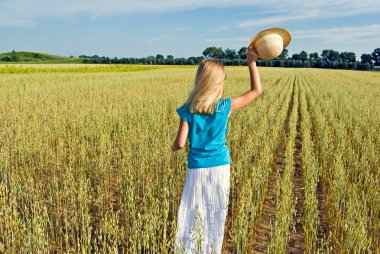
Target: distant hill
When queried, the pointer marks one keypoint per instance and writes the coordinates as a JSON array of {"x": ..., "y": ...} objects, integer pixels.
[{"x": 35, "y": 57}]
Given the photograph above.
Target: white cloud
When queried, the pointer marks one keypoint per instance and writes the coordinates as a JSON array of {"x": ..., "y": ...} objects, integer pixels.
[
  {"x": 333, "y": 36},
  {"x": 276, "y": 19},
  {"x": 96, "y": 8},
  {"x": 223, "y": 40},
  {"x": 16, "y": 22},
  {"x": 301, "y": 10},
  {"x": 24, "y": 12},
  {"x": 156, "y": 39},
  {"x": 348, "y": 34}
]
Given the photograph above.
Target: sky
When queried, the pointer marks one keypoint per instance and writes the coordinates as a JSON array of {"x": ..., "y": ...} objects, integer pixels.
[{"x": 183, "y": 28}]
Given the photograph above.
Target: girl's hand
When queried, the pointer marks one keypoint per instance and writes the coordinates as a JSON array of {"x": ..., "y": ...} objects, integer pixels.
[
  {"x": 251, "y": 55},
  {"x": 174, "y": 147}
]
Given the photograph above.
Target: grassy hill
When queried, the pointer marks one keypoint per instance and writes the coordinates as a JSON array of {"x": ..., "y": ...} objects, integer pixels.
[{"x": 35, "y": 57}]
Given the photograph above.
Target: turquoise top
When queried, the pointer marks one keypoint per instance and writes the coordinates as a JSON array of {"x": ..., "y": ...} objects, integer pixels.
[{"x": 207, "y": 136}]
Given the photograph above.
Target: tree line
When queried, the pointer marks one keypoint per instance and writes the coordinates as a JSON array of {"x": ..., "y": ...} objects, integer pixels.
[{"x": 328, "y": 58}]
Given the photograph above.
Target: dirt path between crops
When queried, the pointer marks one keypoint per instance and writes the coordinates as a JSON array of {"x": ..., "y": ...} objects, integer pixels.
[
  {"x": 261, "y": 238},
  {"x": 323, "y": 228},
  {"x": 269, "y": 208},
  {"x": 296, "y": 243}
]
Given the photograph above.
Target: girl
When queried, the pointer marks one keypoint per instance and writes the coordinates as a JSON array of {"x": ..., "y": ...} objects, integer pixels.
[{"x": 203, "y": 118}]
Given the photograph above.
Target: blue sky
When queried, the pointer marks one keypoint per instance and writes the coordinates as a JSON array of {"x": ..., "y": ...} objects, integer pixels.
[{"x": 126, "y": 28}]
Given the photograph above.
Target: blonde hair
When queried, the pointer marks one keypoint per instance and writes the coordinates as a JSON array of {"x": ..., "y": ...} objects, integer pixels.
[{"x": 208, "y": 87}]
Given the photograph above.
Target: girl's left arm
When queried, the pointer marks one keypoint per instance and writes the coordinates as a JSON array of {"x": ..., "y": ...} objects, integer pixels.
[{"x": 180, "y": 140}]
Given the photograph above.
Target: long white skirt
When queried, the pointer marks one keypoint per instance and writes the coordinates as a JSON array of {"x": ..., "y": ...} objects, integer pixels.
[{"x": 202, "y": 211}]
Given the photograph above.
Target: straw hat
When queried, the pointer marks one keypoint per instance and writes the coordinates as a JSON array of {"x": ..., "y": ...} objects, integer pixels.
[{"x": 270, "y": 42}]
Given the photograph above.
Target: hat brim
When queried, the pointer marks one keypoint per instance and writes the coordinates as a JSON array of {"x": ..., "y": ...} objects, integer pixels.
[{"x": 286, "y": 37}]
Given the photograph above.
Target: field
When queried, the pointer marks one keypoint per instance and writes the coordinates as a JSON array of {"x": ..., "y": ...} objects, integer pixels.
[{"x": 86, "y": 164}]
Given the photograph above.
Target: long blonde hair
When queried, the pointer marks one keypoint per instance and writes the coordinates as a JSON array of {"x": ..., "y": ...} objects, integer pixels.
[{"x": 208, "y": 87}]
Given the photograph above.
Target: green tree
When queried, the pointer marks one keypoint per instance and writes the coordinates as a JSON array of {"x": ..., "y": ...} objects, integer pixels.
[
  {"x": 14, "y": 56},
  {"x": 376, "y": 56},
  {"x": 169, "y": 59},
  {"x": 242, "y": 53},
  {"x": 313, "y": 56},
  {"x": 347, "y": 56},
  {"x": 192, "y": 60},
  {"x": 366, "y": 58},
  {"x": 230, "y": 54},
  {"x": 306, "y": 64},
  {"x": 303, "y": 55},
  {"x": 351, "y": 57},
  {"x": 199, "y": 59},
  {"x": 364, "y": 66},
  {"x": 325, "y": 54},
  {"x": 296, "y": 56},
  {"x": 214, "y": 52},
  {"x": 151, "y": 60},
  {"x": 160, "y": 59},
  {"x": 283, "y": 55},
  {"x": 330, "y": 55}
]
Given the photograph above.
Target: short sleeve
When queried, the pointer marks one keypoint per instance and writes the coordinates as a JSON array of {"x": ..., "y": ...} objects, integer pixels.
[
  {"x": 183, "y": 113},
  {"x": 224, "y": 106}
]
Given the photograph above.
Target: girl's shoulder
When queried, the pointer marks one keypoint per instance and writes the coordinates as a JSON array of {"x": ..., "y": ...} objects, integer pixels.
[
  {"x": 184, "y": 112},
  {"x": 223, "y": 105}
]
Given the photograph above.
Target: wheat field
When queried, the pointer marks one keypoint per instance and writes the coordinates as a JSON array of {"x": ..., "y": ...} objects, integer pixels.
[{"x": 86, "y": 164}]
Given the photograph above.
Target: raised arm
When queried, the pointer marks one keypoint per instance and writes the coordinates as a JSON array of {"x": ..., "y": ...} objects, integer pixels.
[{"x": 247, "y": 97}]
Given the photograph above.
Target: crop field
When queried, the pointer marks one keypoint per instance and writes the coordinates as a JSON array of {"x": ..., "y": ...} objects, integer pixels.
[{"x": 86, "y": 164}]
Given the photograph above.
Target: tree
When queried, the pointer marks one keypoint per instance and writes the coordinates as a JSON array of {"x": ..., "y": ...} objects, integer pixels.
[
  {"x": 330, "y": 55},
  {"x": 283, "y": 55},
  {"x": 320, "y": 63},
  {"x": 313, "y": 56},
  {"x": 242, "y": 53},
  {"x": 354, "y": 65},
  {"x": 7, "y": 59},
  {"x": 230, "y": 54},
  {"x": 296, "y": 56},
  {"x": 169, "y": 59},
  {"x": 364, "y": 66},
  {"x": 366, "y": 58},
  {"x": 151, "y": 60},
  {"x": 199, "y": 59},
  {"x": 347, "y": 56},
  {"x": 214, "y": 52},
  {"x": 14, "y": 56},
  {"x": 325, "y": 54},
  {"x": 160, "y": 59},
  {"x": 303, "y": 55},
  {"x": 192, "y": 59},
  {"x": 351, "y": 57},
  {"x": 306, "y": 64},
  {"x": 376, "y": 56},
  {"x": 334, "y": 55}
]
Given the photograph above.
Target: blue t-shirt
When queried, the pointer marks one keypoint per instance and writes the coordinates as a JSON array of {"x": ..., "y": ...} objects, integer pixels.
[{"x": 207, "y": 136}]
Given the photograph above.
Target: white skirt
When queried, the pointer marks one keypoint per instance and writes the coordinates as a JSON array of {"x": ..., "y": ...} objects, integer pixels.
[{"x": 202, "y": 211}]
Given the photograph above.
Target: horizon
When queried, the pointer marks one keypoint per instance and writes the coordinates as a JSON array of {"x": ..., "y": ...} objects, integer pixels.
[{"x": 183, "y": 29}]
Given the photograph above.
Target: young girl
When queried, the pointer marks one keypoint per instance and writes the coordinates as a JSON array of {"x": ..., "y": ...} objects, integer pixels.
[{"x": 203, "y": 118}]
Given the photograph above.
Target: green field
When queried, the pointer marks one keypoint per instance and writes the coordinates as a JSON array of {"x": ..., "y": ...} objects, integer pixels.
[
  {"x": 37, "y": 58},
  {"x": 86, "y": 164}
]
